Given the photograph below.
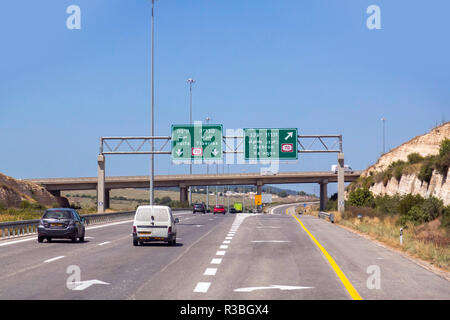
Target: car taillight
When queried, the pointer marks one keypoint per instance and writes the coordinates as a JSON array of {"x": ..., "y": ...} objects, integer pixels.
[
  {"x": 170, "y": 229},
  {"x": 134, "y": 229}
]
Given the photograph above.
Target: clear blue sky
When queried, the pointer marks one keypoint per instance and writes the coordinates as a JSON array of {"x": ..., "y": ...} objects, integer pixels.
[{"x": 313, "y": 65}]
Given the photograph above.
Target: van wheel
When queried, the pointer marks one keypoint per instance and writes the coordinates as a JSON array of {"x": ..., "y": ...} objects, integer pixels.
[
  {"x": 135, "y": 243},
  {"x": 40, "y": 239}
]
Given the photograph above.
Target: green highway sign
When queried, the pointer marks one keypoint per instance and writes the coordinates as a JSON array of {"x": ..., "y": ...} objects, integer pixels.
[
  {"x": 197, "y": 142},
  {"x": 270, "y": 144}
]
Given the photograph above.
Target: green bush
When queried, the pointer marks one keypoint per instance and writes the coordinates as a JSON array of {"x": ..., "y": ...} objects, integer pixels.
[
  {"x": 433, "y": 207},
  {"x": 331, "y": 205},
  {"x": 361, "y": 197},
  {"x": 426, "y": 171},
  {"x": 407, "y": 202},
  {"x": 416, "y": 215},
  {"x": 387, "y": 204},
  {"x": 445, "y": 219},
  {"x": 415, "y": 158},
  {"x": 25, "y": 204},
  {"x": 445, "y": 147}
]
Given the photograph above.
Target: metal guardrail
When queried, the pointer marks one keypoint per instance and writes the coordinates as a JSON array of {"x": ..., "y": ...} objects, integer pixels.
[
  {"x": 325, "y": 215},
  {"x": 14, "y": 229}
]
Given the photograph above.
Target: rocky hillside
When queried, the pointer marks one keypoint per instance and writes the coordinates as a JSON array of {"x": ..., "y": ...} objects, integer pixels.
[
  {"x": 419, "y": 166},
  {"x": 425, "y": 145},
  {"x": 13, "y": 192}
]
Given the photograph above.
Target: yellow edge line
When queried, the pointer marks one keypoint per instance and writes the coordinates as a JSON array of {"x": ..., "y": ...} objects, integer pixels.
[{"x": 351, "y": 290}]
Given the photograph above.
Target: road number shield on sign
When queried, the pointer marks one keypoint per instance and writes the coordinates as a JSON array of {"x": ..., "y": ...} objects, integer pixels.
[
  {"x": 287, "y": 147},
  {"x": 198, "y": 152}
]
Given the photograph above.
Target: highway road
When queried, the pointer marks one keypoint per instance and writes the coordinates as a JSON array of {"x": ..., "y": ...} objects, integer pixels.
[{"x": 243, "y": 256}]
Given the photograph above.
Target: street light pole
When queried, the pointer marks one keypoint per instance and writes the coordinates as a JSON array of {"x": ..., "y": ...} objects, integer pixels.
[
  {"x": 384, "y": 134},
  {"x": 190, "y": 81},
  {"x": 152, "y": 160},
  {"x": 207, "y": 173}
]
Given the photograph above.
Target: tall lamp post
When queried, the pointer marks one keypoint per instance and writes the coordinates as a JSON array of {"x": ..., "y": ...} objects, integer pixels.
[
  {"x": 384, "y": 134},
  {"x": 152, "y": 160},
  {"x": 191, "y": 82},
  {"x": 207, "y": 173}
]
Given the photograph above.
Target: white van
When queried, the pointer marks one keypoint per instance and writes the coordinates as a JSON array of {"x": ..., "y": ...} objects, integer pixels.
[{"x": 154, "y": 223}]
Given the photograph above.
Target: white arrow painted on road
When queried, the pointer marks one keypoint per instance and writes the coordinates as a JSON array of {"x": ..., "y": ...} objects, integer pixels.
[
  {"x": 250, "y": 289},
  {"x": 81, "y": 285},
  {"x": 289, "y": 135}
]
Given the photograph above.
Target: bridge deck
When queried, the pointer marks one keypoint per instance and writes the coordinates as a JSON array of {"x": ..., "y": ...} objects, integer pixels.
[{"x": 53, "y": 184}]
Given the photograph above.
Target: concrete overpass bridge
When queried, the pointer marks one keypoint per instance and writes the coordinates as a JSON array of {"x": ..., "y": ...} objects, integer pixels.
[{"x": 56, "y": 185}]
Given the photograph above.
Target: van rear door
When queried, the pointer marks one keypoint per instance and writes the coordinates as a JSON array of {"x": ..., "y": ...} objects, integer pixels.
[{"x": 152, "y": 222}]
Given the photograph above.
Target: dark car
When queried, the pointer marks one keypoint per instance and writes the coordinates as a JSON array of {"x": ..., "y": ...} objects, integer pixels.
[
  {"x": 198, "y": 207},
  {"x": 62, "y": 223},
  {"x": 220, "y": 208}
]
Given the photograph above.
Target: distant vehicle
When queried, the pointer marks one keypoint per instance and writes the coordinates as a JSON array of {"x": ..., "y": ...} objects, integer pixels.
[
  {"x": 237, "y": 207},
  {"x": 347, "y": 168},
  {"x": 154, "y": 223},
  {"x": 61, "y": 223},
  {"x": 198, "y": 207},
  {"x": 220, "y": 208}
]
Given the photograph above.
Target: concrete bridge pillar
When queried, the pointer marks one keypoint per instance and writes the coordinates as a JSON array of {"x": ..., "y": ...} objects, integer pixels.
[
  {"x": 183, "y": 193},
  {"x": 323, "y": 194},
  {"x": 341, "y": 186},
  {"x": 107, "y": 201},
  {"x": 101, "y": 183}
]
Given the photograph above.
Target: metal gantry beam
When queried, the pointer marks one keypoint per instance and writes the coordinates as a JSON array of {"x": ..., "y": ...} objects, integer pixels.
[{"x": 127, "y": 146}]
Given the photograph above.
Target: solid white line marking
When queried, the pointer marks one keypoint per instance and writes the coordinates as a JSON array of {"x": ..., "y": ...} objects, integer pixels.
[
  {"x": 202, "y": 287},
  {"x": 270, "y": 241},
  {"x": 250, "y": 289},
  {"x": 216, "y": 261},
  {"x": 210, "y": 272},
  {"x": 53, "y": 259},
  {"x": 223, "y": 247},
  {"x": 268, "y": 227},
  {"x": 103, "y": 243},
  {"x": 220, "y": 253}
]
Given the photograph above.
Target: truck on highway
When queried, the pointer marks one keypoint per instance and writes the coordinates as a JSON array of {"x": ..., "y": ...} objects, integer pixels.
[
  {"x": 237, "y": 207},
  {"x": 347, "y": 168}
]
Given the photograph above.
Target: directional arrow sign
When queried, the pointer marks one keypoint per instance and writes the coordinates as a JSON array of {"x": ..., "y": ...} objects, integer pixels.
[
  {"x": 197, "y": 142},
  {"x": 289, "y": 135},
  {"x": 270, "y": 144},
  {"x": 250, "y": 289}
]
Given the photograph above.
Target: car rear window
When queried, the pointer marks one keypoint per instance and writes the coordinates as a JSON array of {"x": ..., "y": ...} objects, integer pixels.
[
  {"x": 60, "y": 214},
  {"x": 219, "y": 207},
  {"x": 152, "y": 214},
  {"x": 198, "y": 205}
]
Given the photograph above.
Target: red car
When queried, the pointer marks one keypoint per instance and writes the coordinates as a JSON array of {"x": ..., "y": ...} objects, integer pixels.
[{"x": 220, "y": 208}]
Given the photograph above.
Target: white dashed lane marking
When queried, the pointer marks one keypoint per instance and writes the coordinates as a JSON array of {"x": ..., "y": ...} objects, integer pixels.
[
  {"x": 210, "y": 272},
  {"x": 53, "y": 259},
  {"x": 202, "y": 287}
]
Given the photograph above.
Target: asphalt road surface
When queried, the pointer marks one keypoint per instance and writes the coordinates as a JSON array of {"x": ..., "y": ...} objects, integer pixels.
[{"x": 232, "y": 256}]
